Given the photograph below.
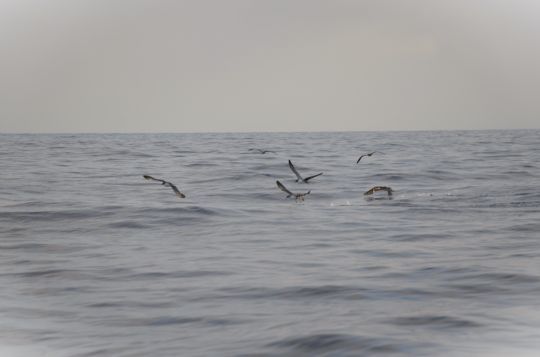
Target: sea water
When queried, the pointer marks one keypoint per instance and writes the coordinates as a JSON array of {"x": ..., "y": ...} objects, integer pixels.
[{"x": 97, "y": 261}]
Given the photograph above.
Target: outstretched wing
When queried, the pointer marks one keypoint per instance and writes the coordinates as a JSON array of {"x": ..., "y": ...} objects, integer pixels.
[
  {"x": 379, "y": 188},
  {"x": 175, "y": 189},
  {"x": 284, "y": 189},
  {"x": 360, "y": 158},
  {"x": 295, "y": 172},
  {"x": 148, "y": 177},
  {"x": 370, "y": 191},
  {"x": 310, "y": 177}
]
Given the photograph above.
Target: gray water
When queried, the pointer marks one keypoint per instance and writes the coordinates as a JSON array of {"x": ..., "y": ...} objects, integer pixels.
[{"x": 97, "y": 261}]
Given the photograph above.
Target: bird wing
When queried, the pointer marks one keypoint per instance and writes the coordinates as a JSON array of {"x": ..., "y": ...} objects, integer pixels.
[
  {"x": 360, "y": 158},
  {"x": 148, "y": 177},
  {"x": 385, "y": 188},
  {"x": 175, "y": 189},
  {"x": 310, "y": 177},
  {"x": 379, "y": 188},
  {"x": 283, "y": 188},
  {"x": 295, "y": 172},
  {"x": 370, "y": 191}
]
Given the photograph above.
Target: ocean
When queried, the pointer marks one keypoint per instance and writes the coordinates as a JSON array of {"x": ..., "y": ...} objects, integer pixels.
[{"x": 97, "y": 261}]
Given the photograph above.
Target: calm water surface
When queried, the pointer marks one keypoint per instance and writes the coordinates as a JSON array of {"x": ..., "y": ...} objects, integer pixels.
[{"x": 96, "y": 261}]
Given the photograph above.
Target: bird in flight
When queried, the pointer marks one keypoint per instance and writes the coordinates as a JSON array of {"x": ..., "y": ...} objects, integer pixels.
[
  {"x": 371, "y": 153},
  {"x": 298, "y": 196},
  {"x": 166, "y": 184},
  {"x": 379, "y": 188},
  {"x": 262, "y": 151},
  {"x": 300, "y": 178}
]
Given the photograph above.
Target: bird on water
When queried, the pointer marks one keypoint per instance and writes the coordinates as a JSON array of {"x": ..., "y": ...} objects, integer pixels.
[
  {"x": 300, "y": 178},
  {"x": 166, "y": 184},
  {"x": 298, "y": 196},
  {"x": 379, "y": 188}
]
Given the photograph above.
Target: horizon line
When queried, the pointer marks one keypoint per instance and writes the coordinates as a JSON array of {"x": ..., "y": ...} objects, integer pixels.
[{"x": 251, "y": 131}]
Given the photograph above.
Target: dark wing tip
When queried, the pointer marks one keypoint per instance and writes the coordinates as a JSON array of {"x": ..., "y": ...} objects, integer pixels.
[
  {"x": 312, "y": 177},
  {"x": 283, "y": 188},
  {"x": 176, "y": 190}
]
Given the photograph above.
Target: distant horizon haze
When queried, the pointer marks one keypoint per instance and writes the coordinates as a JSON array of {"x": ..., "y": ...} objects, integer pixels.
[{"x": 268, "y": 66}]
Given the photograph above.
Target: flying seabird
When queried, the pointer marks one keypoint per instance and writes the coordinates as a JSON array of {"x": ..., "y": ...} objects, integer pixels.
[
  {"x": 167, "y": 184},
  {"x": 299, "y": 178},
  {"x": 262, "y": 151},
  {"x": 371, "y": 153},
  {"x": 379, "y": 188},
  {"x": 298, "y": 196}
]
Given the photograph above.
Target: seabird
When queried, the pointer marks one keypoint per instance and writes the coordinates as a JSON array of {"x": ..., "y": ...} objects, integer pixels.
[
  {"x": 262, "y": 151},
  {"x": 166, "y": 184},
  {"x": 298, "y": 196},
  {"x": 299, "y": 178},
  {"x": 360, "y": 158},
  {"x": 379, "y": 188}
]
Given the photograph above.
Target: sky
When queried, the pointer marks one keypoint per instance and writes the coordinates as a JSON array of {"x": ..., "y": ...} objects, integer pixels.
[{"x": 268, "y": 65}]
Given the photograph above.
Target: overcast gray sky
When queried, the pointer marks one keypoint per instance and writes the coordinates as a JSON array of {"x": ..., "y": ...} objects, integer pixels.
[{"x": 268, "y": 65}]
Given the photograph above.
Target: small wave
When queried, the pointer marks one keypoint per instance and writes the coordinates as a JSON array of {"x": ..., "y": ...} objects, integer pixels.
[
  {"x": 338, "y": 343},
  {"x": 415, "y": 237},
  {"x": 29, "y": 246},
  {"x": 475, "y": 289},
  {"x": 51, "y": 273},
  {"x": 434, "y": 321},
  {"x": 388, "y": 177},
  {"x": 340, "y": 203},
  {"x": 197, "y": 211},
  {"x": 167, "y": 320},
  {"x": 305, "y": 292},
  {"x": 53, "y": 215},
  {"x": 164, "y": 321},
  {"x": 123, "y": 303},
  {"x": 177, "y": 274},
  {"x": 501, "y": 278},
  {"x": 127, "y": 224},
  {"x": 201, "y": 164},
  {"x": 43, "y": 247}
]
